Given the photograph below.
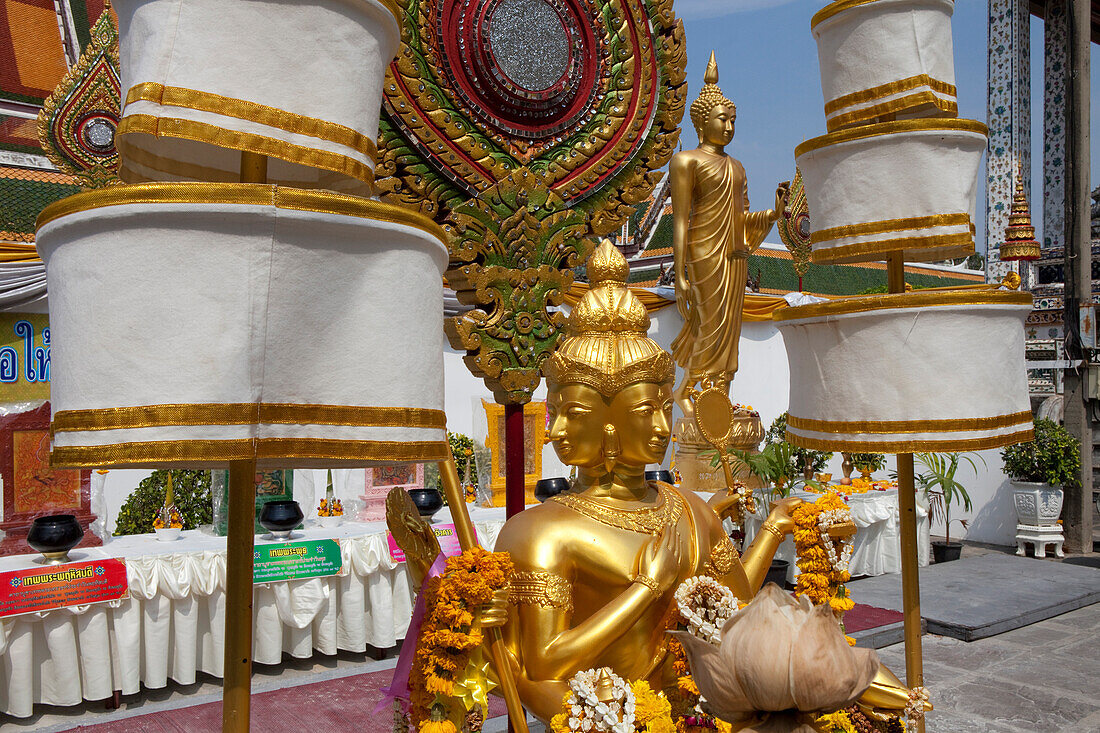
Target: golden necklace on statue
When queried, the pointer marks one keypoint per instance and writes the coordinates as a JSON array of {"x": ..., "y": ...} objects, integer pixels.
[{"x": 647, "y": 520}]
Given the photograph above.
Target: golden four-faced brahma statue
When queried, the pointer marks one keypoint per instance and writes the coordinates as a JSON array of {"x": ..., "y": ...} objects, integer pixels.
[
  {"x": 713, "y": 234},
  {"x": 596, "y": 568}
]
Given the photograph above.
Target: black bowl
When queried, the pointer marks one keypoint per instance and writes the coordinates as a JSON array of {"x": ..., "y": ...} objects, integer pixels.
[
  {"x": 428, "y": 501},
  {"x": 547, "y": 487},
  {"x": 279, "y": 517},
  {"x": 660, "y": 475},
  {"x": 54, "y": 535}
]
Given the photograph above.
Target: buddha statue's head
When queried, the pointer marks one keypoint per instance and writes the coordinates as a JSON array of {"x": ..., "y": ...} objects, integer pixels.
[
  {"x": 712, "y": 113},
  {"x": 610, "y": 385}
]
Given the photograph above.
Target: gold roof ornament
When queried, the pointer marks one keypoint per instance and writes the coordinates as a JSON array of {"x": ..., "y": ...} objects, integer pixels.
[
  {"x": 606, "y": 346},
  {"x": 1020, "y": 242},
  {"x": 794, "y": 226},
  {"x": 77, "y": 123},
  {"x": 710, "y": 96}
]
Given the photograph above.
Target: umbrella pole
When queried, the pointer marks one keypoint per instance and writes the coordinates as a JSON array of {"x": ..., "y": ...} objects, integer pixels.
[
  {"x": 240, "y": 542},
  {"x": 237, "y": 669},
  {"x": 907, "y": 511}
]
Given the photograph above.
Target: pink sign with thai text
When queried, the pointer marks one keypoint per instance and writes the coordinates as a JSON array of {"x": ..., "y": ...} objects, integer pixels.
[{"x": 445, "y": 533}]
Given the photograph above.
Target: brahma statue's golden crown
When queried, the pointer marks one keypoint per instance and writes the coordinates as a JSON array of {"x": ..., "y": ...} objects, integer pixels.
[{"x": 606, "y": 346}]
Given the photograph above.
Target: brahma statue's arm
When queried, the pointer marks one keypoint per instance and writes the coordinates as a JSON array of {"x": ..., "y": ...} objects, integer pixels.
[{"x": 547, "y": 646}]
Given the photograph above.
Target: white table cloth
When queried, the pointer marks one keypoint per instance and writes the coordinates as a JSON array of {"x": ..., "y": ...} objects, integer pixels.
[
  {"x": 877, "y": 547},
  {"x": 172, "y": 626}
]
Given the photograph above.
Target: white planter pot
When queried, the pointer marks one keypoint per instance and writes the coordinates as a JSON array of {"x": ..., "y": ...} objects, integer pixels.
[{"x": 1037, "y": 505}]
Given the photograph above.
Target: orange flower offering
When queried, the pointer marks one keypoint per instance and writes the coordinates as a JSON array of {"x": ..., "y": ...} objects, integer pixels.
[
  {"x": 448, "y": 635},
  {"x": 168, "y": 518},
  {"x": 336, "y": 509},
  {"x": 823, "y": 568}
]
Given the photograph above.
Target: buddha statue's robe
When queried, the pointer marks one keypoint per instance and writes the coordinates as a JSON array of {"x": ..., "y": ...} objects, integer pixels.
[{"x": 722, "y": 235}]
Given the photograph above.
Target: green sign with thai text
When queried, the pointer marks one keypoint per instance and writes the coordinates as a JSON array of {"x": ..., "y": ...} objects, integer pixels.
[{"x": 273, "y": 563}]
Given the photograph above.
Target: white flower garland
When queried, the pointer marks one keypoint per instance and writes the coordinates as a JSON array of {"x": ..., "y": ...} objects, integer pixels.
[
  {"x": 746, "y": 502},
  {"x": 914, "y": 711},
  {"x": 586, "y": 712},
  {"x": 827, "y": 519},
  {"x": 705, "y": 606}
]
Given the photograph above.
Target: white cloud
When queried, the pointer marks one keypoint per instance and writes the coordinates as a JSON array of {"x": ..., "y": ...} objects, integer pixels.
[{"x": 691, "y": 9}]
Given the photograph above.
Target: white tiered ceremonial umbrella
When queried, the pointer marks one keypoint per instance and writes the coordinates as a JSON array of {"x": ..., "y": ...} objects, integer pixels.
[
  {"x": 895, "y": 179},
  {"x": 203, "y": 316}
]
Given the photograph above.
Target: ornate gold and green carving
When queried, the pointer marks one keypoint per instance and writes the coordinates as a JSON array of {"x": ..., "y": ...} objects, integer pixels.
[{"x": 512, "y": 250}]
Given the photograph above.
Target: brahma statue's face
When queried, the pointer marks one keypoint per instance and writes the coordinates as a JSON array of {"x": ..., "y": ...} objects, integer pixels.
[{"x": 640, "y": 413}]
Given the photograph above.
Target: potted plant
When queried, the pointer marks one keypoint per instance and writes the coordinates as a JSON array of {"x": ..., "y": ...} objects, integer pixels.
[
  {"x": 937, "y": 480},
  {"x": 1039, "y": 469},
  {"x": 803, "y": 461},
  {"x": 868, "y": 463},
  {"x": 774, "y": 466}
]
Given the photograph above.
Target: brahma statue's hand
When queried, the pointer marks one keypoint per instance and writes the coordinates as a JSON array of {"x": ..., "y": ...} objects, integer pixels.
[
  {"x": 781, "y": 514},
  {"x": 495, "y": 612},
  {"x": 727, "y": 504}
]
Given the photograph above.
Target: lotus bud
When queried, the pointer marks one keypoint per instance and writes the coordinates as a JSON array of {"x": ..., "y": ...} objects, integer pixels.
[{"x": 780, "y": 663}]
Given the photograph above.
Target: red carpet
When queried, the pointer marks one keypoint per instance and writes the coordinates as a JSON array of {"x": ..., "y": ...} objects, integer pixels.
[
  {"x": 333, "y": 706},
  {"x": 346, "y": 704},
  {"x": 864, "y": 617}
]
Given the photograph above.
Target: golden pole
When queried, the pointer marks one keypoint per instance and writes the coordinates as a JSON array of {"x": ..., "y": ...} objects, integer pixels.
[
  {"x": 253, "y": 167},
  {"x": 240, "y": 542},
  {"x": 467, "y": 538},
  {"x": 907, "y": 511},
  {"x": 237, "y": 682}
]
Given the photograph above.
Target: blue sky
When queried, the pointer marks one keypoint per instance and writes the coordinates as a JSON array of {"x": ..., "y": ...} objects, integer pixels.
[{"x": 767, "y": 60}]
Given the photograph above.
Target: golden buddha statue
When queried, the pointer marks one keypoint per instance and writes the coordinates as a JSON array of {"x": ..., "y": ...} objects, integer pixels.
[
  {"x": 596, "y": 568},
  {"x": 712, "y": 236}
]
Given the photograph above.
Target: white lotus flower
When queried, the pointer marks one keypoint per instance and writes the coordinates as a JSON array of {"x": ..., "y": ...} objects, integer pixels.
[{"x": 780, "y": 662}]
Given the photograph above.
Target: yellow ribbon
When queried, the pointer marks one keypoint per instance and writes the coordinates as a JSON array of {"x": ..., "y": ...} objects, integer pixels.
[{"x": 474, "y": 686}]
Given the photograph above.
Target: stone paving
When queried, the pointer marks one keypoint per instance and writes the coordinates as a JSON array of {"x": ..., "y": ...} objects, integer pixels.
[{"x": 1043, "y": 678}]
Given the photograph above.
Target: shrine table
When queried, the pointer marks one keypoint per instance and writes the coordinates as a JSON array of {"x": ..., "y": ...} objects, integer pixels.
[
  {"x": 172, "y": 626},
  {"x": 877, "y": 546}
]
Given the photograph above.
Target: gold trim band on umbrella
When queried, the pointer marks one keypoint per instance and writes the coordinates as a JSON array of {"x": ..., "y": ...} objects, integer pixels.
[
  {"x": 247, "y": 194},
  {"x": 135, "y": 155},
  {"x": 891, "y": 225},
  {"x": 253, "y": 112},
  {"x": 893, "y": 106},
  {"x": 889, "y": 89},
  {"x": 838, "y": 6},
  {"x": 372, "y": 450},
  {"x": 220, "y": 451},
  {"x": 949, "y": 445},
  {"x": 244, "y": 413},
  {"x": 883, "y": 427},
  {"x": 915, "y": 299},
  {"x": 923, "y": 124},
  {"x": 225, "y": 138},
  {"x": 911, "y": 246}
]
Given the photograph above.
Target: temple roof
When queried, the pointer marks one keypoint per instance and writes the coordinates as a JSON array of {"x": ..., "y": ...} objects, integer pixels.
[{"x": 1039, "y": 9}]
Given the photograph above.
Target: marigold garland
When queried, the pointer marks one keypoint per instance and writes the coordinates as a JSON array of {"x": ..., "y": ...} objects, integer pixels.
[
  {"x": 448, "y": 634},
  {"x": 820, "y": 579}
]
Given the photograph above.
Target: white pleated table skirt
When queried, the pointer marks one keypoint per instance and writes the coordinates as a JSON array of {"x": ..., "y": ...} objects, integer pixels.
[
  {"x": 877, "y": 548},
  {"x": 173, "y": 624}
]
